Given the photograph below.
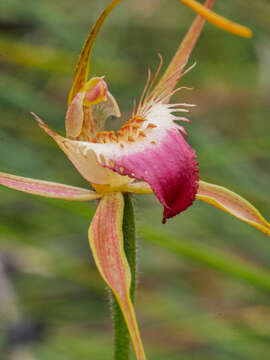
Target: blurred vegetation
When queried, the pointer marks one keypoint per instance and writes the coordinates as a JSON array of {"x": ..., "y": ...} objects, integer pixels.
[{"x": 204, "y": 288}]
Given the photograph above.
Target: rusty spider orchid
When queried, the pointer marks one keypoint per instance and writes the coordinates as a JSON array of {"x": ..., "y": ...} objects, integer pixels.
[{"x": 149, "y": 154}]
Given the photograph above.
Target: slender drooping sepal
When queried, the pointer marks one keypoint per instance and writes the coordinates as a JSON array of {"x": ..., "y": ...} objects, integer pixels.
[
  {"x": 47, "y": 188},
  {"x": 121, "y": 333},
  {"x": 233, "y": 204},
  {"x": 107, "y": 244}
]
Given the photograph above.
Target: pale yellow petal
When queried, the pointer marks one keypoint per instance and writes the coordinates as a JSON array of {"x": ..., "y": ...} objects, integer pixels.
[
  {"x": 233, "y": 204},
  {"x": 47, "y": 188},
  {"x": 106, "y": 242}
]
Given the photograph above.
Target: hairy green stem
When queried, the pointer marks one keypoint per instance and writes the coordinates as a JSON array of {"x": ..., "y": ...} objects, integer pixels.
[{"x": 121, "y": 334}]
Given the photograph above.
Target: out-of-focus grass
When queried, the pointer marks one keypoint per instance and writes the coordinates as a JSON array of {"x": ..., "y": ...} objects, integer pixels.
[{"x": 204, "y": 277}]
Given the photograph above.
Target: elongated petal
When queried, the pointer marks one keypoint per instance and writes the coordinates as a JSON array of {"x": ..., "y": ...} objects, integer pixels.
[
  {"x": 106, "y": 242},
  {"x": 171, "y": 76},
  {"x": 82, "y": 68},
  {"x": 47, "y": 188},
  {"x": 218, "y": 20},
  {"x": 232, "y": 203}
]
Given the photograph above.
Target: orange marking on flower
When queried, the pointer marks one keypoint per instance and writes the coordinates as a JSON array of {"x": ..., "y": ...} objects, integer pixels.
[
  {"x": 151, "y": 126},
  {"x": 128, "y": 132},
  {"x": 105, "y": 136},
  {"x": 142, "y": 134},
  {"x": 139, "y": 120},
  {"x": 112, "y": 136},
  {"x": 122, "y": 145},
  {"x": 153, "y": 142},
  {"x": 98, "y": 134},
  {"x": 125, "y": 127}
]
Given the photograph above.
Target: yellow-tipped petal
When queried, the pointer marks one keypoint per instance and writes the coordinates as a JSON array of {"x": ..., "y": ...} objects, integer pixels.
[
  {"x": 233, "y": 204},
  {"x": 83, "y": 64},
  {"x": 218, "y": 20},
  {"x": 106, "y": 242}
]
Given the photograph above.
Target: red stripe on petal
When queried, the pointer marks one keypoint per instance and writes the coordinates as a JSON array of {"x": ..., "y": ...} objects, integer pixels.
[
  {"x": 233, "y": 204},
  {"x": 47, "y": 188}
]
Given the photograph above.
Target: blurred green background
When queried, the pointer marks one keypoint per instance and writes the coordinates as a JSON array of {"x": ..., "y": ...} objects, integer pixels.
[{"x": 204, "y": 277}]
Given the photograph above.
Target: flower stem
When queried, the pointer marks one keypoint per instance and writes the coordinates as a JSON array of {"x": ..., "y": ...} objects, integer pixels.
[{"x": 121, "y": 334}]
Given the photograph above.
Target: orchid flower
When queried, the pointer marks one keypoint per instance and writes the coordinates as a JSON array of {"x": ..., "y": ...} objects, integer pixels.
[{"x": 148, "y": 155}]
